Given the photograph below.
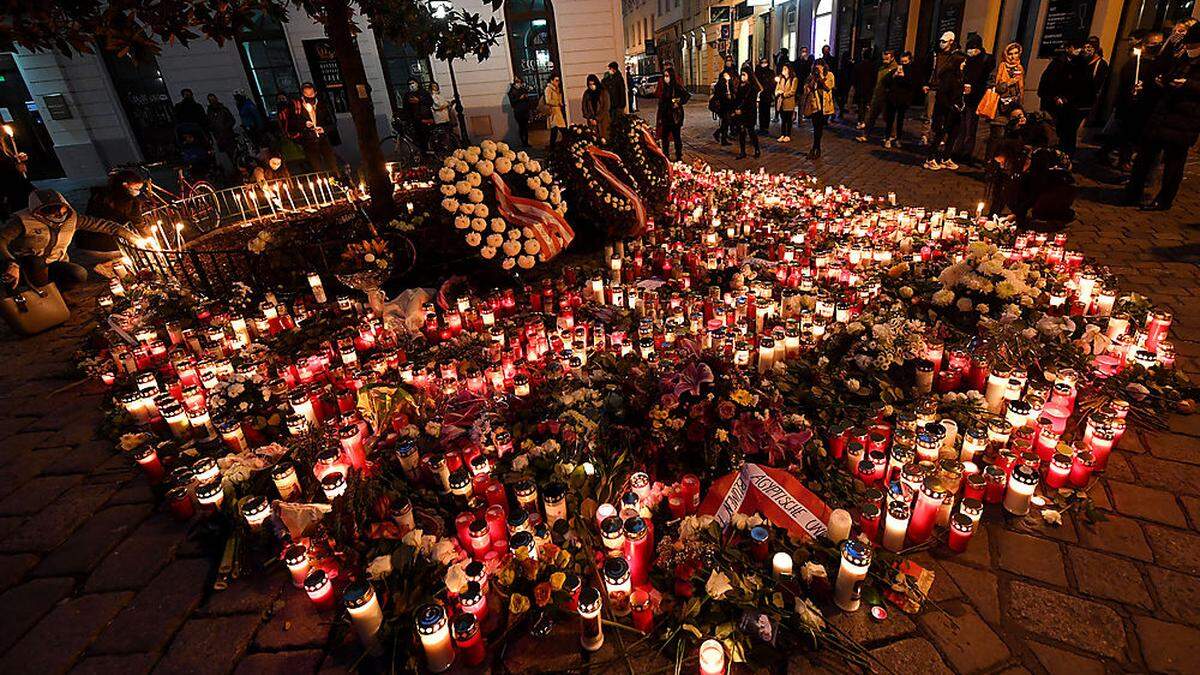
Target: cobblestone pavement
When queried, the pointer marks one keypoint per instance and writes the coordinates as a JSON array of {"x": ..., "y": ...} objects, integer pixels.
[{"x": 95, "y": 578}]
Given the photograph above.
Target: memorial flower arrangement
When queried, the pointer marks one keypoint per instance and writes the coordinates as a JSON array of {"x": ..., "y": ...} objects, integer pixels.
[
  {"x": 695, "y": 447},
  {"x": 604, "y": 195},
  {"x": 633, "y": 140}
]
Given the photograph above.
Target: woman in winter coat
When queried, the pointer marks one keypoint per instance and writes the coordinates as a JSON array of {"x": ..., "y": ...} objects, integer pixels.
[
  {"x": 744, "y": 108},
  {"x": 722, "y": 103},
  {"x": 596, "y": 108},
  {"x": 817, "y": 103},
  {"x": 1009, "y": 84},
  {"x": 671, "y": 99},
  {"x": 899, "y": 87},
  {"x": 556, "y": 110},
  {"x": 785, "y": 101}
]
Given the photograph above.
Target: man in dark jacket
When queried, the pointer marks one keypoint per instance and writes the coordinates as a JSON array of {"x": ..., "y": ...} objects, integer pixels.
[
  {"x": 119, "y": 200},
  {"x": 878, "y": 96},
  {"x": 977, "y": 68},
  {"x": 1063, "y": 91},
  {"x": 1132, "y": 107},
  {"x": 766, "y": 79},
  {"x": 802, "y": 66},
  {"x": 947, "y": 47},
  {"x": 189, "y": 111},
  {"x": 614, "y": 84},
  {"x": 309, "y": 124},
  {"x": 946, "y": 86},
  {"x": 863, "y": 79},
  {"x": 899, "y": 85},
  {"x": 1172, "y": 127}
]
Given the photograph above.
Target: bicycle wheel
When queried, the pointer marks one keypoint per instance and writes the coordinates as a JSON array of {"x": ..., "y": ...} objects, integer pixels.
[
  {"x": 405, "y": 153},
  {"x": 442, "y": 142},
  {"x": 202, "y": 202}
]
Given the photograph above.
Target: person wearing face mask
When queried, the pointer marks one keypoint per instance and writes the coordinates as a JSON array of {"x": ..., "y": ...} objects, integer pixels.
[
  {"x": 817, "y": 103},
  {"x": 977, "y": 68},
  {"x": 945, "y": 51},
  {"x": 899, "y": 85},
  {"x": 1061, "y": 90},
  {"x": 744, "y": 106},
  {"x": 596, "y": 108},
  {"x": 878, "y": 96},
  {"x": 802, "y": 66},
  {"x": 556, "y": 108},
  {"x": 119, "y": 200},
  {"x": 1008, "y": 81},
  {"x": 34, "y": 241},
  {"x": 270, "y": 168},
  {"x": 948, "y": 93},
  {"x": 722, "y": 104},
  {"x": 766, "y": 79},
  {"x": 671, "y": 98},
  {"x": 614, "y": 84},
  {"x": 1095, "y": 73},
  {"x": 1171, "y": 128},
  {"x": 309, "y": 123},
  {"x": 1133, "y": 103},
  {"x": 785, "y": 101}
]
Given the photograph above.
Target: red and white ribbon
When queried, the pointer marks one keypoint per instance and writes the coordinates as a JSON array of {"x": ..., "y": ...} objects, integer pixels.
[
  {"x": 653, "y": 145},
  {"x": 639, "y": 210},
  {"x": 775, "y": 493},
  {"x": 549, "y": 228}
]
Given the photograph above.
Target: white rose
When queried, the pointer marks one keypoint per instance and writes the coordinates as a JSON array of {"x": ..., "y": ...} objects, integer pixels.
[
  {"x": 474, "y": 178},
  {"x": 461, "y": 167},
  {"x": 501, "y": 146},
  {"x": 462, "y": 187},
  {"x": 489, "y": 154},
  {"x": 487, "y": 144},
  {"x": 485, "y": 168},
  {"x": 498, "y": 225},
  {"x": 487, "y": 252},
  {"x": 496, "y": 240},
  {"x": 508, "y": 263},
  {"x": 546, "y": 177},
  {"x": 467, "y": 209},
  {"x": 472, "y": 239},
  {"x": 481, "y": 210},
  {"x": 523, "y": 156},
  {"x": 450, "y": 162},
  {"x": 533, "y": 165},
  {"x": 478, "y": 224},
  {"x": 459, "y": 153},
  {"x": 532, "y": 246},
  {"x": 447, "y": 190},
  {"x": 514, "y": 234},
  {"x": 475, "y": 195},
  {"x": 533, "y": 183},
  {"x": 541, "y": 193},
  {"x": 446, "y": 174},
  {"x": 526, "y": 262},
  {"x": 503, "y": 165},
  {"x": 462, "y": 222}
]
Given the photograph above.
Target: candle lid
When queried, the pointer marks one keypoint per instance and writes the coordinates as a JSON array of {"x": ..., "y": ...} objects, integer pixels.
[
  {"x": 1085, "y": 457},
  {"x": 898, "y": 510},
  {"x": 520, "y": 540},
  {"x": 430, "y": 618},
  {"x": 554, "y": 492},
  {"x": 208, "y": 490},
  {"x": 333, "y": 480},
  {"x": 295, "y": 554},
  {"x": 635, "y": 528},
  {"x": 856, "y": 551},
  {"x": 611, "y": 527},
  {"x": 358, "y": 594},
  {"x": 282, "y": 470},
  {"x": 1026, "y": 474},
  {"x": 143, "y": 453},
  {"x": 255, "y": 505},
  {"x": 870, "y": 511},
  {"x": 639, "y": 480},
  {"x": 177, "y": 493},
  {"x": 970, "y": 505},
  {"x": 464, "y": 626},
  {"x": 589, "y": 600},
  {"x": 616, "y": 570},
  {"x": 961, "y": 522},
  {"x": 405, "y": 448},
  {"x": 1061, "y": 459},
  {"x": 472, "y": 594},
  {"x": 759, "y": 534},
  {"x": 525, "y": 488},
  {"x": 873, "y": 495},
  {"x": 315, "y": 580},
  {"x": 517, "y": 518},
  {"x": 460, "y": 479},
  {"x": 329, "y": 456}
]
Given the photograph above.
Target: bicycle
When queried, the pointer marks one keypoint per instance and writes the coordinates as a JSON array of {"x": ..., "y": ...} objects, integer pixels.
[
  {"x": 399, "y": 148},
  {"x": 195, "y": 200}
]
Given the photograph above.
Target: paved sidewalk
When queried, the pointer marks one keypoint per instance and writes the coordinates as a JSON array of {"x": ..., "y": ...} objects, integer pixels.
[{"x": 95, "y": 578}]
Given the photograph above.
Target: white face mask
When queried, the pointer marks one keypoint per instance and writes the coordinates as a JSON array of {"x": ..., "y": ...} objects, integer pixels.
[{"x": 973, "y": 52}]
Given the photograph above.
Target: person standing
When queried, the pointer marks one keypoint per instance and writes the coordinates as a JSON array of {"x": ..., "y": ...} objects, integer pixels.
[
  {"x": 1130, "y": 109},
  {"x": 596, "y": 108},
  {"x": 556, "y": 108},
  {"x": 439, "y": 105},
  {"x": 188, "y": 112},
  {"x": 418, "y": 111},
  {"x": 802, "y": 67},
  {"x": 520, "y": 100},
  {"x": 766, "y": 79},
  {"x": 744, "y": 107},
  {"x": 722, "y": 104},
  {"x": 671, "y": 98},
  {"x": 946, "y": 87},
  {"x": 878, "y": 96},
  {"x": 863, "y": 76},
  {"x": 1095, "y": 72},
  {"x": 1008, "y": 81},
  {"x": 631, "y": 89},
  {"x": 781, "y": 59},
  {"x": 945, "y": 49},
  {"x": 614, "y": 84},
  {"x": 1172, "y": 126},
  {"x": 818, "y": 103},
  {"x": 252, "y": 121},
  {"x": 1059, "y": 93},
  {"x": 221, "y": 123},
  {"x": 977, "y": 68},
  {"x": 785, "y": 102},
  {"x": 899, "y": 85},
  {"x": 309, "y": 122}
]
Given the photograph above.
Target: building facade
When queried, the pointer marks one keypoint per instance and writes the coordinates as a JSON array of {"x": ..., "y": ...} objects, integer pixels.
[
  {"x": 641, "y": 51},
  {"x": 79, "y": 116}
]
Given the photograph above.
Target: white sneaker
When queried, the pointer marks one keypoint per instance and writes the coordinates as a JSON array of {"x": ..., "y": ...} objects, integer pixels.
[
  {"x": 924, "y": 139},
  {"x": 780, "y": 139},
  {"x": 887, "y": 142},
  {"x": 787, "y": 139},
  {"x": 949, "y": 164},
  {"x": 933, "y": 165},
  {"x": 860, "y": 125}
]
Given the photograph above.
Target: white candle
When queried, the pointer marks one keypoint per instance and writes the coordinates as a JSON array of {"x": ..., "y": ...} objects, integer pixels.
[
  {"x": 896, "y": 527},
  {"x": 365, "y": 613},
  {"x": 839, "y": 525},
  {"x": 712, "y": 657},
  {"x": 856, "y": 560},
  {"x": 591, "y": 631},
  {"x": 1021, "y": 484},
  {"x": 781, "y": 564},
  {"x": 434, "y": 629},
  {"x": 318, "y": 289}
]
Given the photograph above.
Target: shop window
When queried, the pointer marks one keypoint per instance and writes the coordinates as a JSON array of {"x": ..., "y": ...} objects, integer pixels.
[
  {"x": 268, "y": 62},
  {"x": 400, "y": 64},
  {"x": 532, "y": 40}
]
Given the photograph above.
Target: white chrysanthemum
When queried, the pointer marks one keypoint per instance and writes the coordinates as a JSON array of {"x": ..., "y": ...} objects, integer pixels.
[
  {"x": 518, "y": 168},
  {"x": 943, "y": 297},
  {"x": 527, "y": 232},
  {"x": 523, "y": 156},
  {"x": 468, "y": 209},
  {"x": 475, "y": 195},
  {"x": 512, "y": 247},
  {"x": 450, "y": 162},
  {"x": 459, "y": 153},
  {"x": 447, "y": 190},
  {"x": 473, "y": 239},
  {"x": 514, "y": 233},
  {"x": 533, "y": 165},
  {"x": 485, "y": 168},
  {"x": 495, "y": 240},
  {"x": 533, "y": 183},
  {"x": 488, "y": 154},
  {"x": 478, "y": 224},
  {"x": 481, "y": 210},
  {"x": 526, "y": 262},
  {"x": 532, "y": 246},
  {"x": 450, "y": 204},
  {"x": 541, "y": 193},
  {"x": 474, "y": 178},
  {"x": 498, "y": 225},
  {"x": 487, "y": 252},
  {"x": 508, "y": 263},
  {"x": 462, "y": 222},
  {"x": 446, "y": 174},
  {"x": 487, "y": 144},
  {"x": 503, "y": 165},
  {"x": 501, "y": 146},
  {"x": 461, "y": 167},
  {"x": 546, "y": 177},
  {"x": 462, "y": 187}
]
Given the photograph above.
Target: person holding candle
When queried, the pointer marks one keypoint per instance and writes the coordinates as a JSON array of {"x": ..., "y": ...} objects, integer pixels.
[
  {"x": 1129, "y": 108},
  {"x": 309, "y": 126},
  {"x": 817, "y": 103}
]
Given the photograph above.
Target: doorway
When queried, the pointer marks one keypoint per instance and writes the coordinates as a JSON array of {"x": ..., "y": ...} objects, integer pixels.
[
  {"x": 147, "y": 105},
  {"x": 18, "y": 109}
]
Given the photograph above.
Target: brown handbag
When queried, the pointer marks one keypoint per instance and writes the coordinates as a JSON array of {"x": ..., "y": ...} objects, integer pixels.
[{"x": 34, "y": 309}]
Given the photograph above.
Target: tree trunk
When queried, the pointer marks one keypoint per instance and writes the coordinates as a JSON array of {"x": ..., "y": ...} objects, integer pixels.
[{"x": 340, "y": 30}]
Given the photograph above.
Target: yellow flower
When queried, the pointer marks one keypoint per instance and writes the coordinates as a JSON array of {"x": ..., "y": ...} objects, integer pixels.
[
  {"x": 505, "y": 576},
  {"x": 557, "y": 580},
  {"x": 518, "y": 604},
  {"x": 742, "y": 397}
]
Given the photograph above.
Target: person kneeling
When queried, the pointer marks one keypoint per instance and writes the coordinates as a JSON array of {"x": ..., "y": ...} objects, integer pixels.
[{"x": 33, "y": 243}]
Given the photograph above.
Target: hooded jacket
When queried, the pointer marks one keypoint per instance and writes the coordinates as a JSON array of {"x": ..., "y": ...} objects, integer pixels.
[{"x": 29, "y": 233}]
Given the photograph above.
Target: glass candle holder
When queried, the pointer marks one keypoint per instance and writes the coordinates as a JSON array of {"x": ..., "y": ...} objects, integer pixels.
[
  {"x": 366, "y": 615},
  {"x": 612, "y": 533},
  {"x": 334, "y": 485},
  {"x": 210, "y": 495},
  {"x": 924, "y": 516},
  {"x": 895, "y": 528},
  {"x": 961, "y": 529},
  {"x": 468, "y": 639},
  {"x": 856, "y": 560},
  {"x": 781, "y": 565},
  {"x": 474, "y": 600},
  {"x": 639, "y": 548},
  {"x": 712, "y": 657},
  {"x": 617, "y": 583},
  {"x": 554, "y": 499},
  {"x": 1059, "y": 470},
  {"x": 1081, "y": 468},
  {"x": 256, "y": 510},
  {"x": 147, "y": 458},
  {"x": 870, "y": 516},
  {"x": 1021, "y": 485},
  {"x": 319, "y": 588},
  {"x": 434, "y": 629},
  {"x": 643, "y": 617},
  {"x": 591, "y": 631}
]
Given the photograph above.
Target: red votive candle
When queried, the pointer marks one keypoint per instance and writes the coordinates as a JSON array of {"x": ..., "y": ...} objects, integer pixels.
[
  {"x": 924, "y": 515},
  {"x": 468, "y": 638},
  {"x": 643, "y": 618},
  {"x": 1059, "y": 470},
  {"x": 997, "y": 480},
  {"x": 691, "y": 491},
  {"x": 961, "y": 529},
  {"x": 974, "y": 486},
  {"x": 1081, "y": 468},
  {"x": 869, "y": 517},
  {"x": 181, "y": 503},
  {"x": 639, "y": 545},
  {"x": 319, "y": 588},
  {"x": 147, "y": 458}
]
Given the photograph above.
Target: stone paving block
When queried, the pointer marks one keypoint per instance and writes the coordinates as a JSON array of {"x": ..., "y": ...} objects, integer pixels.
[
  {"x": 1192, "y": 506},
  {"x": 1168, "y": 647},
  {"x": 37, "y": 494},
  {"x": 50, "y": 527},
  {"x": 280, "y": 663},
  {"x": 1117, "y": 535},
  {"x": 1178, "y": 594},
  {"x": 210, "y": 646},
  {"x": 1146, "y": 503},
  {"x": 115, "y": 664},
  {"x": 1175, "y": 477},
  {"x": 1049, "y": 614},
  {"x": 862, "y": 628},
  {"x": 1177, "y": 549},
  {"x": 1109, "y": 577},
  {"x": 1119, "y": 468},
  {"x": 978, "y": 550},
  {"x": 968, "y": 643},
  {"x": 82, "y": 459},
  {"x": 1030, "y": 556},
  {"x": 59, "y": 639},
  {"x": 93, "y": 540},
  {"x": 139, "y": 557},
  {"x": 1062, "y": 662},
  {"x": 294, "y": 624},
  {"x": 14, "y": 567},
  {"x": 25, "y": 604},
  {"x": 980, "y": 586},
  {"x": 133, "y": 492},
  {"x": 148, "y": 622},
  {"x": 914, "y": 655},
  {"x": 253, "y": 595},
  {"x": 1175, "y": 447}
]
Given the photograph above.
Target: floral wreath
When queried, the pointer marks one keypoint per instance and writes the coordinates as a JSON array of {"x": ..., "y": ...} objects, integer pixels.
[
  {"x": 633, "y": 140},
  {"x": 600, "y": 184},
  {"x": 518, "y": 222}
]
